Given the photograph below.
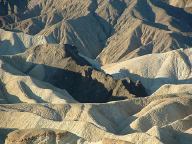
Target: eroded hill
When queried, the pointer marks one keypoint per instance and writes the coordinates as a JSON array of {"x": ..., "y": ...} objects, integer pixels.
[{"x": 96, "y": 71}]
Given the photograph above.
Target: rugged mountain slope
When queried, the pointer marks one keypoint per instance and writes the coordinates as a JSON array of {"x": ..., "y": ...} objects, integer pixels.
[
  {"x": 13, "y": 43},
  {"x": 36, "y": 136},
  {"x": 89, "y": 38},
  {"x": 16, "y": 87},
  {"x": 186, "y": 4},
  {"x": 64, "y": 68},
  {"x": 124, "y": 29},
  {"x": 174, "y": 89},
  {"x": 155, "y": 70},
  {"x": 95, "y": 71},
  {"x": 92, "y": 123},
  {"x": 147, "y": 26}
]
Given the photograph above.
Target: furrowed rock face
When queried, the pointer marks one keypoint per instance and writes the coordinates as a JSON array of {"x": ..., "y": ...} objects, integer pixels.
[
  {"x": 92, "y": 122},
  {"x": 95, "y": 71},
  {"x": 155, "y": 70},
  {"x": 112, "y": 30},
  {"x": 64, "y": 68},
  {"x": 146, "y": 27},
  {"x": 41, "y": 135}
]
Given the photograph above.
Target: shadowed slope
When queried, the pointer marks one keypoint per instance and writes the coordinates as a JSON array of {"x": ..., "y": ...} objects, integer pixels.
[{"x": 64, "y": 68}]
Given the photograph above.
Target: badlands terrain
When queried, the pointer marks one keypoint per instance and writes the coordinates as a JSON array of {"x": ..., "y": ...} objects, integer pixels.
[{"x": 95, "y": 71}]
